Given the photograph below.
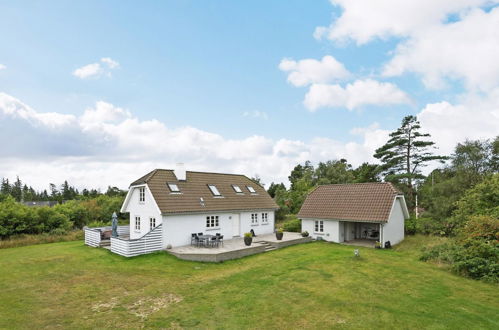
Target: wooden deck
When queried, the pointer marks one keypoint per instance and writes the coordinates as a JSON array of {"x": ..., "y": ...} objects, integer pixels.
[{"x": 235, "y": 248}]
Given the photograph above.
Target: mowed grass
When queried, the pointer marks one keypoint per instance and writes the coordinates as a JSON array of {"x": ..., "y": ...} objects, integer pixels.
[{"x": 314, "y": 285}]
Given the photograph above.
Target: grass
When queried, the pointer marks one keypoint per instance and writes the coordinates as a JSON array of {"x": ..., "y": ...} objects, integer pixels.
[
  {"x": 26, "y": 239},
  {"x": 314, "y": 285}
]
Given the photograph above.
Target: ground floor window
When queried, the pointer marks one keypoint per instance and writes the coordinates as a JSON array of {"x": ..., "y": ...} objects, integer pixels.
[
  {"x": 254, "y": 218},
  {"x": 265, "y": 218},
  {"x": 212, "y": 221},
  {"x": 319, "y": 226},
  {"x": 152, "y": 223},
  {"x": 137, "y": 223}
]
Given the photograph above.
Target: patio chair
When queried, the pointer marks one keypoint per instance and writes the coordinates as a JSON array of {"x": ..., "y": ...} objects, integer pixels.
[
  {"x": 218, "y": 234},
  {"x": 220, "y": 239},
  {"x": 200, "y": 234},
  {"x": 194, "y": 238},
  {"x": 213, "y": 241}
]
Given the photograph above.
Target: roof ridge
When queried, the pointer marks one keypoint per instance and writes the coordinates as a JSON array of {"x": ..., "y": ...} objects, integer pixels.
[{"x": 203, "y": 172}]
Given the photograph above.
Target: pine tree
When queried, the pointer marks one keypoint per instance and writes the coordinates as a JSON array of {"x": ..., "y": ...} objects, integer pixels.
[{"x": 405, "y": 153}]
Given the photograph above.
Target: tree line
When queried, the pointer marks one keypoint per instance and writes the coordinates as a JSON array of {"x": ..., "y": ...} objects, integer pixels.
[{"x": 21, "y": 192}]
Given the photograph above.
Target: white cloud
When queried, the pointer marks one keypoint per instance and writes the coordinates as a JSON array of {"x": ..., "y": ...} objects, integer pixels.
[
  {"x": 445, "y": 40},
  {"x": 96, "y": 70},
  {"x": 256, "y": 114},
  {"x": 466, "y": 50},
  {"x": 364, "y": 20},
  {"x": 2, "y": 67},
  {"x": 354, "y": 95},
  {"x": 310, "y": 71},
  {"x": 112, "y": 64},
  {"x": 108, "y": 145}
]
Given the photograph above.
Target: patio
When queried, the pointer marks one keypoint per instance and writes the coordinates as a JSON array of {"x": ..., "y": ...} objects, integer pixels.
[{"x": 235, "y": 248}]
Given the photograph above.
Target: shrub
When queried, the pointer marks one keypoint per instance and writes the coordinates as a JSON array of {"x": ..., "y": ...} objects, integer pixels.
[
  {"x": 304, "y": 233},
  {"x": 293, "y": 225},
  {"x": 474, "y": 252},
  {"x": 248, "y": 235}
]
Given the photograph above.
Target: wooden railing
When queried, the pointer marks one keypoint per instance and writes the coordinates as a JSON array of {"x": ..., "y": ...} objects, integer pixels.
[{"x": 150, "y": 242}]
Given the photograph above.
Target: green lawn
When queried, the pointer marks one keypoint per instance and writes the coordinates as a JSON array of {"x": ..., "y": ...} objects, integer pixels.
[{"x": 314, "y": 285}]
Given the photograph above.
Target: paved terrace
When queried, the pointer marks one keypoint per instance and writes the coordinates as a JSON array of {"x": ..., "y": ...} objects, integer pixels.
[{"x": 235, "y": 248}]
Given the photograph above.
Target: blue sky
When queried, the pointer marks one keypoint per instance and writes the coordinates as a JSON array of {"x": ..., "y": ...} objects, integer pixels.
[{"x": 214, "y": 66}]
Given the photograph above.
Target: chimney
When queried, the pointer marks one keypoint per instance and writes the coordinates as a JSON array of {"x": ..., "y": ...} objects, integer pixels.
[{"x": 180, "y": 172}]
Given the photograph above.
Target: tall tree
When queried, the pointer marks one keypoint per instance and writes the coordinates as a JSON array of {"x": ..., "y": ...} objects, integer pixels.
[{"x": 405, "y": 153}]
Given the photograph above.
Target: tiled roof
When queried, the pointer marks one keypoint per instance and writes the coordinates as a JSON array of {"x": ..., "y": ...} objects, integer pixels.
[
  {"x": 196, "y": 186},
  {"x": 358, "y": 202}
]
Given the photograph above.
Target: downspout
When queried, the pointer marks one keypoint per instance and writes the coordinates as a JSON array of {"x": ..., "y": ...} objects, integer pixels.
[{"x": 381, "y": 236}]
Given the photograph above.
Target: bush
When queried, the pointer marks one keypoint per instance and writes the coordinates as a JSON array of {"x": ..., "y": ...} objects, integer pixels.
[
  {"x": 293, "y": 225},
  {"x": 426, "y": 226},
  {"x": 474, "y": 252}
]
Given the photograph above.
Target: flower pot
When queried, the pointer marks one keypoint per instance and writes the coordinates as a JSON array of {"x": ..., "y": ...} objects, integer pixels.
[
  {"x": 248, "y": 240},
  {"x": 279, "y": 235}
]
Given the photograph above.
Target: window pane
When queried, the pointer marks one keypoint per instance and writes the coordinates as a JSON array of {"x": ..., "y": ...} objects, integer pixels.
[
  {"x": 173, "y": 187},
  {"x": 251, "y": 190},
  {"x": 237, "y": 188},
  {"x": 214, "y": 190}
]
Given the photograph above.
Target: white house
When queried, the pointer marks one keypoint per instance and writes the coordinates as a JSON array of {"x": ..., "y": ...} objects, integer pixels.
[
  {"x": 182, "y": 202},
  {"x": 362, "y": 211}
]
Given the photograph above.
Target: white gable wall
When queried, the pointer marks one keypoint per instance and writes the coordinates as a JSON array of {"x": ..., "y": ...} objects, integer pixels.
[
  {"x": 331, "y": 229},
  {"x": 393, "y": 230},
  {"x": 144, "y": 210},
  {"x": 177, "y": 229}
]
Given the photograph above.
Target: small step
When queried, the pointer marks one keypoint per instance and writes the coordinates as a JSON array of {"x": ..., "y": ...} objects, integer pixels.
[{"x": 270, "y": 248}]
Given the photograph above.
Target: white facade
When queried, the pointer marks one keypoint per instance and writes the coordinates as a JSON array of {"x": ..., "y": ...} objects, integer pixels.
[
  {"x": 339, "y": 231},
  {"x": 145, "y": 210},
  {"x": 393, "y": 230},
  {"x": 177, "y": 228}
]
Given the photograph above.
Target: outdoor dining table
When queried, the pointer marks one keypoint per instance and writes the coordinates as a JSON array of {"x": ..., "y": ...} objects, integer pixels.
[{"x": 205, "y": 238}]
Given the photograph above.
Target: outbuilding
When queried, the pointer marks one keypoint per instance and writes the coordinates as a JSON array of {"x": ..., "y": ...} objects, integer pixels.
[{"x": 360, "y": 213}]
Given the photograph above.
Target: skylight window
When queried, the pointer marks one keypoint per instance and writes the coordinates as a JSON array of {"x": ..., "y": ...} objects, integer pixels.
[
  {"x": 251, "y": 189},
  {"x": 237, "y": 189},
  {"x": 173, "y": 187},
  {"x": 214, "y": 190}
]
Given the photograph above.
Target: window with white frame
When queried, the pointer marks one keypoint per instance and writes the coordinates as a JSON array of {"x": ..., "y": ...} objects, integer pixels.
[
  {"x": 319, "y": 226},
  {"x": 142, "y": 194},
  {"x": 212, "y": 221},
  {"x": 137, "y": 223},
  {"x": 237, "y": 189},
  {"x": 251, "y": 189},
  {"x": 173, "y": 188},
  {"x": 214, "y": 190},
  {"x": 254, "y": 218},
  {"x": 265, "y": 218},
  {"x": 152, "y": 223}
]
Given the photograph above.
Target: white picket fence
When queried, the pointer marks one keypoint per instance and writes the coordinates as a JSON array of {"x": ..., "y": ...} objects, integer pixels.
[
  {"x": 93, "y": 235},
  {"x": 150, "y": 242}
]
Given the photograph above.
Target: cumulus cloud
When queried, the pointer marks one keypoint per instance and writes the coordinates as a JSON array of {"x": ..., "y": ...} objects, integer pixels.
[
  {"x": 354, "y": 95},
  {"x": 456, "y": 40},
  {"x": 97, "y": 70},
  {"x": 256, "y": 114},
  {"x": 2, "y": 67},
  {"x": 108, "y": 145},
  {"x": 466, "y": 50},
  {"x": 364, "y": 20},
  {"x": 311, "y": 71}
]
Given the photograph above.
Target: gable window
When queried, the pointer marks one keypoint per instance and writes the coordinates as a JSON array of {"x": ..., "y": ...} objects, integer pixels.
[
  {"x": 251, "y": 189},
  {"x": 265, "y": 218},
  {"x": 214, "y": 190},
  {"x": 137, "y": 223},
  {"x": 237, "y": 189},
  {"x": 173, "y": 188},
  {"x": 142, "y": 194},
  {"x": 319, "y": 226},
  {"x": 254, "y": 219},
  {"x": 212, "y": 221},
  {"x": 152, "y": 223}
]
